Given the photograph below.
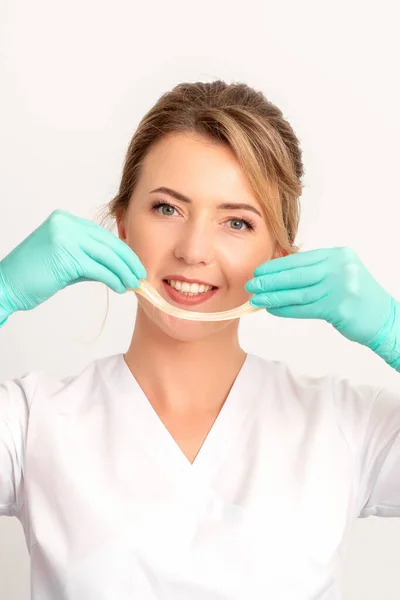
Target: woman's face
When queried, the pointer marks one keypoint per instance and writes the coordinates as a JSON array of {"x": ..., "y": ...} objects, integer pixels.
[{"x": 191, "y": 234}]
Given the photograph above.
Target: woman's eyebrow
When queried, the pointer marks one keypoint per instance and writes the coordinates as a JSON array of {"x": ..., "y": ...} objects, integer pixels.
[{"x": 224, "y": 206}]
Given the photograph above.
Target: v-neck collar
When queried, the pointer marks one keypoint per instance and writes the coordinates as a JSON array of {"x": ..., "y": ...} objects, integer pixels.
[{"x": 160, "y": 443}]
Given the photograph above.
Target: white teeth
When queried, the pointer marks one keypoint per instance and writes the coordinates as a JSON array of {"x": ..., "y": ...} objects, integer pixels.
[{"x": 192, "y": 289}]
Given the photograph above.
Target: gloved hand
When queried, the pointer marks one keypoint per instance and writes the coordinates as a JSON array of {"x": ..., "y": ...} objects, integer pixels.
[
  {"x": 63, "y": 250},
  {"x": 334, "y": 285}
]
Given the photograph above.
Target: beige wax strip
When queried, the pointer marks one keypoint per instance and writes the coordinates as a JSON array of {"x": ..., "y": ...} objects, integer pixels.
[{"x": 146, "y": 290}]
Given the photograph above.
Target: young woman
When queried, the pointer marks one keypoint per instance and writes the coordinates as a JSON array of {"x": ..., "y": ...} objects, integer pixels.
[{"x": 186, "y": 469}]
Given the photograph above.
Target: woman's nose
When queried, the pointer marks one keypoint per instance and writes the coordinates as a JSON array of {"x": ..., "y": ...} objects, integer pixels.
[{"x": 195, "y": 244}]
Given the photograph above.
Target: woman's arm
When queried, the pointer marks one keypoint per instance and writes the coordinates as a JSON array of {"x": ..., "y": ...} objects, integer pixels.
[
  {"x": 15, "y": 399},
  {"x": 3, "y": 313},
  {"x": 387, "y": 344}
]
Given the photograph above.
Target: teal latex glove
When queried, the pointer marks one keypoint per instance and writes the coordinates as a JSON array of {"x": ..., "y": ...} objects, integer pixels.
[
  {"x": 63, "y": 250},
  {"x": 334, "y": 285}
]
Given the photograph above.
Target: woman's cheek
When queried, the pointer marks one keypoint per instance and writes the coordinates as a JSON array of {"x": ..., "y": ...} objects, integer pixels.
[
  {"x": 240, "y": 265},
  {"x": 140, "y": 243}
]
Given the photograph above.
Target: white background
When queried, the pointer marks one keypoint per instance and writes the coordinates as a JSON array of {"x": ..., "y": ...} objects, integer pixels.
[{"x": 77, "y": 76}]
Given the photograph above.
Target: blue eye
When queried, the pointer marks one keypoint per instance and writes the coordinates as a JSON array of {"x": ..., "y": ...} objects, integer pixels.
[
  {"x": 157, "y": 205},
  {"x": 249, "y": 224},
  {"x": 240, "y": 222}
]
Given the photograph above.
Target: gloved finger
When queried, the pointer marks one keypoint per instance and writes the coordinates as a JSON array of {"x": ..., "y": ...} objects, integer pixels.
[
  {"x": 94, "y": 271},
  {"x": 305, "y": 311},
  {"x": 289, "y": 279},
  {"x": 80, "y": 280},
  {"x": 106, "y": 256},
  {"x": 125, "y": 252},
  {"x": 300, "y": 259},
  {"x": 303, "y": 296}
]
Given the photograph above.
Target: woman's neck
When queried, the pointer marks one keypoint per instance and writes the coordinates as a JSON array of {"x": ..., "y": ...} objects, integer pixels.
[{"x": 181, "y": 376}]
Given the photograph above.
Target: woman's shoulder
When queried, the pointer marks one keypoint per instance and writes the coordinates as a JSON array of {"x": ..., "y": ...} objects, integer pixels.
[
  {"x": 47, "y": 383},
  {"x": 341, "y": 391}
]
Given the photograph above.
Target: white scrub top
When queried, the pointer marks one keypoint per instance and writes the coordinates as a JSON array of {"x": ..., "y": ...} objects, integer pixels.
[{"x": 112, "y": 509}]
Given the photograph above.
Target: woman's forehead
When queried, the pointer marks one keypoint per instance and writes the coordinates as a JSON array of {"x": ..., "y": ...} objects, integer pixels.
[{"x": 195, "y": 167}]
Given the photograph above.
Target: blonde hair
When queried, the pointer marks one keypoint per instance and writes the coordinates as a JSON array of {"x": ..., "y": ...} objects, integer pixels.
[{"x": 241, "y": 118}]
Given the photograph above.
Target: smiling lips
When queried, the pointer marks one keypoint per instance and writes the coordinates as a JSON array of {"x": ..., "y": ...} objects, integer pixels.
[{"x": 188, "y": 294}]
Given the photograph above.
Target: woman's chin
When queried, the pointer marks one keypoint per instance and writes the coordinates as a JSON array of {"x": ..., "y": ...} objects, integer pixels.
[
  {"x": 182, "y": 330},
  {"x": 185, "y": 330}
]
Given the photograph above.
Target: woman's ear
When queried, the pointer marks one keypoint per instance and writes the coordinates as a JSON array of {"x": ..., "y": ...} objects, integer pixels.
[
  {"x": 279, "y": 252},
  {"x": 121, "y": 225}
]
